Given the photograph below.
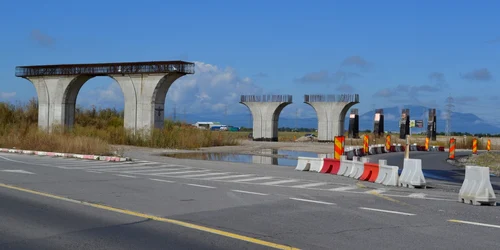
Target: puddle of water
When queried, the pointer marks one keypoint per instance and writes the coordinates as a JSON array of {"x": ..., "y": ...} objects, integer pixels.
[{"x": 265, "y": 156}]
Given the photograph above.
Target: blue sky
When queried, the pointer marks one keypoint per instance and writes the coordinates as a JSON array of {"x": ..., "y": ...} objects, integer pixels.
[{"x": 392, "y": 53}]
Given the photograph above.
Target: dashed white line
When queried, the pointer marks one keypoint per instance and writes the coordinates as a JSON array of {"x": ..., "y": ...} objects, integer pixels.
[
  {"x": 312, "y": 201},
  {"x": 310, "y": 185},
  {"x": 417, "y": 195},
  {"x": 386, "y": 211},
  {"x": 202, "y": 186},
  {"x": 278, "y": 182},
  {"x": 252, "y": 179},
  {"x": 126, "y": 176},
  {"x": 226, "y": 177},
  {"x": 474, "y": 223},
  {"x": 95, "y": 172},
  {"x": 160, "y": 180},
  {"x": 377, "y": 191},
  {"x": 248, "y": 192},
  {"x": 343, "y": 188}
]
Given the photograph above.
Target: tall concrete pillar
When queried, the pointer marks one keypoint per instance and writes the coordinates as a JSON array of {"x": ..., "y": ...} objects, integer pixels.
[
  {"x": 331, "y": 111},
  {"x": 354, "y": 124},
  {"x": 144, "y": 96},
  {"x": 378, "y": 123},
  {"x": 431, "y": 125},
  {"x": 265, "y": 111},
  {"x": 404, "y": 124}
]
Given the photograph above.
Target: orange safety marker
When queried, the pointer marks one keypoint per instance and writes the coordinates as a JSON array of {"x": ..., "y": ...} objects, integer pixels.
[
  {"x": 388, "y": 143},
  {"x": 365, "y": 144},
  {"x": 426, "y": 143},
  {"x": 338, "y": 147},
  {"x": 474, "y": 146},
  {"x": 452, "y": 149},
  {"x": 488, "y": 145}
]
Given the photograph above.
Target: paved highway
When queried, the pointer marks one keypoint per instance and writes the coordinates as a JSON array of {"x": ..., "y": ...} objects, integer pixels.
[{"x": 187, "y": 204}]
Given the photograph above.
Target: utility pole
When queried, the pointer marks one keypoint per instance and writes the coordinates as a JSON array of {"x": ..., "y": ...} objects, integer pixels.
[{"x": 449, "y": 108}]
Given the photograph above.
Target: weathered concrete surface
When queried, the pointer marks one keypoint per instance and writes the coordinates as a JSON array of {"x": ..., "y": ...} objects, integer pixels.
[
  {"x": 265, "y": 119},
  {"x": 331, "y": 116},
  {"x": 144, "y": 96}
]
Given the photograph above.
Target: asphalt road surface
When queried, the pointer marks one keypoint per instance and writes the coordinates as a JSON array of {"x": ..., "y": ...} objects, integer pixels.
[{"x": 163, "y": 203}]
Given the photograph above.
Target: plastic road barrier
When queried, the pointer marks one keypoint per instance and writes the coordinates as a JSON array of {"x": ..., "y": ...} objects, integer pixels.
[
  {"x": 387, "y": 175},
  {"x": 412, "y": 175},
  {"x": 476, "y": 188},
  {"x": 309, "y": 164}
]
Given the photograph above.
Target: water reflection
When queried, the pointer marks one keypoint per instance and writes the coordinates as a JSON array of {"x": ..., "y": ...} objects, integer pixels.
[{"x": 264, "y": 156}]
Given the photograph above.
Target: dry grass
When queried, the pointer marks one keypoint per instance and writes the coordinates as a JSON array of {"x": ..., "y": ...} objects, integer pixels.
[
  {"x": 488, "y": 159},
  {"x": 95, "y": 130}
]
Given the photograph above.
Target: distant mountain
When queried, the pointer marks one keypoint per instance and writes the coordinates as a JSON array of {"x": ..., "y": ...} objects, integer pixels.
[{"x": 460, "y": 122}]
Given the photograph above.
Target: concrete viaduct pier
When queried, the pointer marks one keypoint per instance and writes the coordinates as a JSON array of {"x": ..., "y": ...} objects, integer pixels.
[
  {"x": 331, "y": 111},
  {"x": 144, "y": 86},
  {"x": 265, "y": 111}
]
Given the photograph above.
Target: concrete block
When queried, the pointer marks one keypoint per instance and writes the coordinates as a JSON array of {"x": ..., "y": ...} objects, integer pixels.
[
  {"x": 309, "y": 164},
  {"x": 476, "y": 188},
  {"x": 412, "y": 175},
  {"x": 387, "y": 175}
]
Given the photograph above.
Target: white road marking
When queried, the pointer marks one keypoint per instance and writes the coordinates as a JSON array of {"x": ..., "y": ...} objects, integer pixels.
[
  {"x": 278, "y": 182},
  {"x": 310, "y": 185},
  {"x": 417, "y": 195},
  {"x": 156, "y": 169},
  {"x": 162, "y": 180},
  {"x": 252, "y": 179},
  {"x": 19, "y": 171},
  {"x": 92, "y": 171},
  {"x": 474, "y": 223},
  {"x": 386, "y": 211},
  {"x": 247, "y": 192},
  {"x": 227, "y": 177},
  {"x": 200, "y": 175},
  {"x": 122, "y": 169},
  {"x": 312, "y": 201},
  {"x": 202, "y": 186},
  {"x": 343, "y": 188},
  {"x": 377, "y": 191},
  {"x": 182, "y": 172},
  {"x": 127, "y": 176}
]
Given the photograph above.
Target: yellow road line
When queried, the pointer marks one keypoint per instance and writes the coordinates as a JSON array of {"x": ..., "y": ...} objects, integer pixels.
[
  {"x": 359, "y": 185},
  {"x": 373, "y": 192},
  {"x": 155, "y": 218}
]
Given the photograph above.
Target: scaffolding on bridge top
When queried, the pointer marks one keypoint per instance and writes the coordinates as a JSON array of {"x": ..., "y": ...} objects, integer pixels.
[
  {"x": 332, "y": 98},
  {"x": 266, "y": 98},
  {"x": 100, "y": 69}
]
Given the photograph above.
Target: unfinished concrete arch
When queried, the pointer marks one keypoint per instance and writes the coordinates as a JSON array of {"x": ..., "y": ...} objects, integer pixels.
[
  {"x": 144, "y": 86},
  {"x": 265, "y": 111},
  {"x": 331, "y": 111}
]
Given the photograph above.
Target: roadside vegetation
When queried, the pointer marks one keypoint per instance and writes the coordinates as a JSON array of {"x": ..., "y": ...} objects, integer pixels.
[
  {"x": 487, "y": 159},
  {"x": 94, "y": 132}
]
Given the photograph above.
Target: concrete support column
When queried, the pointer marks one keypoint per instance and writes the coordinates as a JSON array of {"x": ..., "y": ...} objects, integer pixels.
[
  {"x": 265, "y": 116},
  {"x": 56, "y": 99},
  {"x": 331, "y": 112},
  {"x": 144, "y": 96}
]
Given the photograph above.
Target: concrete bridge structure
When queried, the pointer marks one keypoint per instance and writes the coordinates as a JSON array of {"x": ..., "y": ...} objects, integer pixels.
[
  {"x": 331, "y": 111},
  {"x": 265, "y": 111},
  {"x": 144, "y": 86}
]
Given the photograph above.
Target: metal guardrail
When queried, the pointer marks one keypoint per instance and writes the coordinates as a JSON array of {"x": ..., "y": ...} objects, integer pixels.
[
  {"x": 99, "y": 69},
  {"x": 332, "y": 98},
  {"x": 266, "y": 98}
]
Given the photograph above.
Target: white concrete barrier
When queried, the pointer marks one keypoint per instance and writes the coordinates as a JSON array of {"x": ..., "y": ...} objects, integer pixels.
[
  {"x": 372, "y": 150},
  {"x": 476, "y": 188},
  {"x": 380, "y": 149},
  {"x": 358, "y": 168},
  {"x": 344, "y": 165},
  {"x": 387, "y": 175},
  {"x": 309, "y": 164},
  {"x": 398, "y": 147},
  {"x": 412, "y": 175},
  {"x": 350, "y": 166}
]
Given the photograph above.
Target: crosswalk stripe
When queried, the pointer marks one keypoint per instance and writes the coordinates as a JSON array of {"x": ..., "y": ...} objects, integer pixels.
[
  {"x": 253, "y": 179},
  {"x": 155, "y": 170},
  {"x": 226, "y": 177},
  {"x": 278, "y": 182},
  {"x": 343, "y": 188},
  {"x": 200, "y": 175},
  {"x": 182, "y": 172},
  {"x": 310, "y": 185},
  {"x": 126, "y": 169},
  {"x": 97, "y": 166}
]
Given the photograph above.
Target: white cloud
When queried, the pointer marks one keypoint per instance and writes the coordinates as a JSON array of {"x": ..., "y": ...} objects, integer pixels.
[
  {"x": 211, "y": 89},
  {"x": 7, "y": 95}
]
